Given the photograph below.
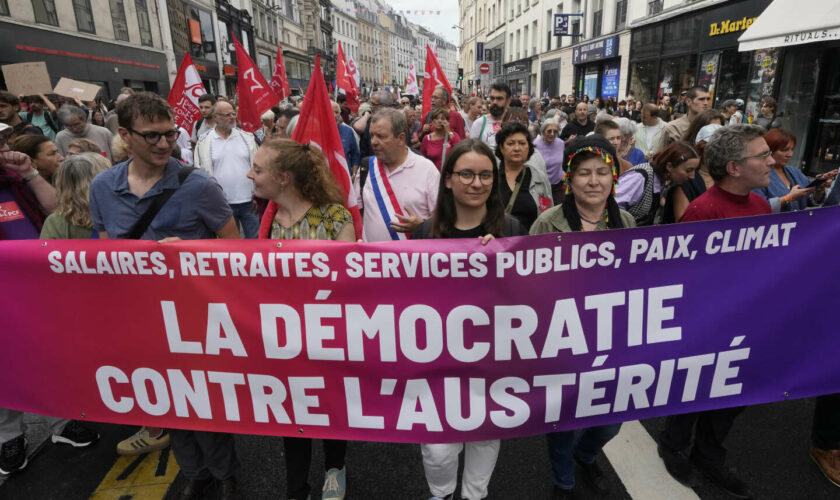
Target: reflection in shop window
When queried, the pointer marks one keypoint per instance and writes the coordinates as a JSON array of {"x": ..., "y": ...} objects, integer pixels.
[
  {"x": 643, "y": 78},
  {"x": 677, "y": 75}
]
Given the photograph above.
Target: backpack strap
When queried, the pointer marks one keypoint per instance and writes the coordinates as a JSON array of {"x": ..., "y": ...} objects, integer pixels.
[
  {"x": 483, "y": 124},
  {"x": 158, "y": 201}
]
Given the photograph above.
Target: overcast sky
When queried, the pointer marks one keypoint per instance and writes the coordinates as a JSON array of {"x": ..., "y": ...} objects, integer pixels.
[{"x": 441, "y": 24}]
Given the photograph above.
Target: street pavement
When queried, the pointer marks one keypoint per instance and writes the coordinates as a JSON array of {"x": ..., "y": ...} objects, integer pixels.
[{"x": 768, "y": 446}]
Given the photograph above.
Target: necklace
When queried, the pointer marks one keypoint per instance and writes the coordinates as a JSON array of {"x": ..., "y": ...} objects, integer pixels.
[{"x": 584, "y": 219}]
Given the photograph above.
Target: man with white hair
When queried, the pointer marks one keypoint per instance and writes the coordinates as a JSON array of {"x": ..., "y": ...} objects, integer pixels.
[
  {"x": 227, "y": 152},
  {"x": 76, "y": 126},
  {"x": 267, "y": 129},
  {"x": 628, "y": 149}
]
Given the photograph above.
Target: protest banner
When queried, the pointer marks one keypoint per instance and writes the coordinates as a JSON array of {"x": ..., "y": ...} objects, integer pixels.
[
  {"x": 423, "y": 341},
  {"x": 68, "y": 87},
  {"x": 30, "y": 78}
]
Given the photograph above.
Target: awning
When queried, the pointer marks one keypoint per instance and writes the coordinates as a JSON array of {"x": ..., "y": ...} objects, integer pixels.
[{"x": 793, "y": 22}]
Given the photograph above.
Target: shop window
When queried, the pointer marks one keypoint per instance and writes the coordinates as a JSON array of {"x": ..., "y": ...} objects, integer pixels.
[
  {"x": 620, "y": 15},
  {"x": 643, "y": 80},
  {"x": 676, "y": 75},
  {"x": 4, "y": 8},
  {"x": 143, "y": 22},
  {"x": 45, "y": 12},
  {"x": 733, "y": 76},
  {"x": 681, "y": 35},
  {"x": 709, "y": 66},
  {"x": 118, "y": 20}
]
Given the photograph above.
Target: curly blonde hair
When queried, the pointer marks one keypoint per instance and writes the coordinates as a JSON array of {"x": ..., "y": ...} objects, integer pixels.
[
  {"x": 308, "y": 168},
  {"x": 72, "y": 186}
]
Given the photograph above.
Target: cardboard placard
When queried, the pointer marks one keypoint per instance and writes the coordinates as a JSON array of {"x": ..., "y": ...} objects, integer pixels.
[
  {"x": 29, "y": 78},
  {"x": 74, "y": 88}
]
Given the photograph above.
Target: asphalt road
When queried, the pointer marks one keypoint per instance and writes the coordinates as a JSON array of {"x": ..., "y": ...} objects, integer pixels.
[{"x": 768, "y": 446}]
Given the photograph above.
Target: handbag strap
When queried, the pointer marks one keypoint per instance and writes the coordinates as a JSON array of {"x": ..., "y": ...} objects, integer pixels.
[
  {"x": 158, "y": 201},
  {"x": 515, "y": 192}
]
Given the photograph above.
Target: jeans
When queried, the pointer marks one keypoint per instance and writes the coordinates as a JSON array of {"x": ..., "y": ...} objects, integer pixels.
[
  {"x": 825, "y": 433},
  {"x": 299, "y": 458},
  {"x": 202, "y": 455},
  {"x": 245, "y": 215},
  {"x": 583, "y": 444},
  {"x": 712, "y": 428}
]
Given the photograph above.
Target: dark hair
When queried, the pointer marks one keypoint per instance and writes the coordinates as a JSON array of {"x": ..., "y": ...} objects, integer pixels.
[
  {"x": 29, "y": 144},
  {"x": 701, "y": 121},
  {"x": 778, "y": 138},
  {"x": 509, "y": 129},
  {"x": 515, "y": 103},
  {"x": 571, "y": 160},
  {"x": 7, "y": 97},
  {"x": 434, "y": 113},
  {"x": 605, "y": 125},
  {"x": 519, "y": 114},
  {"x": 501, "y": 87},
  {"x": 341, "y": 98},
  {"x": 207, "y": 98},
  {"x": 674, "y": 154},
  {"x": 693, "y": 91},
  {"x": 145, "y": 104},
  {"x": 444, "y": 217},
  {"x": 769, "y": 101}
]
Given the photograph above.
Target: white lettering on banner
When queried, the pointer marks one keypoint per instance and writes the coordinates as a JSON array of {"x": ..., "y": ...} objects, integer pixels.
[{"x": 249, "y": 75}]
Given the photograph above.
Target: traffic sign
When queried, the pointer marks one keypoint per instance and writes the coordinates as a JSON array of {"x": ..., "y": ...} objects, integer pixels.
[{"x": 484, "y": 68}]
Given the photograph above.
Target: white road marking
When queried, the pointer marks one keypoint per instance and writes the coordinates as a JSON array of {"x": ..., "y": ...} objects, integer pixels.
[{"x": 633, "y": 456}]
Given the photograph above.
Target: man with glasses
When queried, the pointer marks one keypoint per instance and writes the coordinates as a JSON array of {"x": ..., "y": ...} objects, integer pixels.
[
  {"x": 378, "y": 100},
  {"x": 119, "y": 197},
  {"x": 227, "y": 153},
  {"x": 76, "y": 126},
  {"x": 697, "y": 100},
  {"x": 739, "y": 161}
]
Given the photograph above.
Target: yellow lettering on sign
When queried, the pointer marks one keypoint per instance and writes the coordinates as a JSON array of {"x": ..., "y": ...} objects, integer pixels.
[
  {"x": 713, "y": 29},
  {"x": 727, "y": 26}
]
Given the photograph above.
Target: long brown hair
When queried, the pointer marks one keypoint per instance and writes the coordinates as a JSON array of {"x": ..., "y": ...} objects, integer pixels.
[
  {"x": 308, "y": 168},
  {"x": 444, "y": 216}
]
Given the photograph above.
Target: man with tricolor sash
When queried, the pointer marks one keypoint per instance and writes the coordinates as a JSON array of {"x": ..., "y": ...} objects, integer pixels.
[{"x": 399, "y": 189}]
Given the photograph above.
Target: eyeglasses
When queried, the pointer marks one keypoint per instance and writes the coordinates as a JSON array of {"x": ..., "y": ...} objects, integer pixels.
[
  {"x": 225, "y": 115},
  {"x": 761, "y": 156},
  {"x": 468, "y": 176},
  {"x": 153, "y": 137}
]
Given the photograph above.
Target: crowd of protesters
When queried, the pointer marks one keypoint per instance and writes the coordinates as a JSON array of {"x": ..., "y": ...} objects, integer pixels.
[{"x": 492, "y": 166}]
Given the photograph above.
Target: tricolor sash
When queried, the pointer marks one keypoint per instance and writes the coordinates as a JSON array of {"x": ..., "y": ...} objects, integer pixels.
[{"x": 387, "y": 202}]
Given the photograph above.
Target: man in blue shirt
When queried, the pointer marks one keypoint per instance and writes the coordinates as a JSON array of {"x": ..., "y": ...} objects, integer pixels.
[
  {"x": 197, "y": 210},
  {"x": 348, "y": 140}
]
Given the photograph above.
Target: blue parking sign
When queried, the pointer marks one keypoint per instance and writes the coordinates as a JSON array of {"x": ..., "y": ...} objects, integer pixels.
[{"x": 561, "y": 24}]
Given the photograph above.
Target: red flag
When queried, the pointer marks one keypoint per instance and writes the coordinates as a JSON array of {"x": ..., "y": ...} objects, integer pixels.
[
  {"x": 432, "y": 79},
  {"x": 317, "y": 126},
  {"x": 279, "y": 82},
  {"x": 255, "y": 95},
  {"x": 346, "y": 82},
  {"x": 184, "y": 95}
]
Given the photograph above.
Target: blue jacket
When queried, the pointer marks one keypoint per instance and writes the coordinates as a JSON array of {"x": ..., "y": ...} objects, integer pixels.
[
  {"x": 777, "y": 189},
  {"x": 351, "y": 148}
]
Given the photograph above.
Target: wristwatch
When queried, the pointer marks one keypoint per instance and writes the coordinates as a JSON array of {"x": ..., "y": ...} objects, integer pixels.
[{"x": 28, "y": 177}]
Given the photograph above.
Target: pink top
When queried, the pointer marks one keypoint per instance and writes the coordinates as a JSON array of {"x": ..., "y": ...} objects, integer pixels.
[
  {"x": 433, "y": 149},
  {"x": 415, "y": 184}
]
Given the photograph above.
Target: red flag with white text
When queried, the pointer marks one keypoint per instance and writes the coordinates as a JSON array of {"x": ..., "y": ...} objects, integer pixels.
[
  {"x": 184, "y": 95},
  {"x": 432, "y": 79},
  {"x": 346, "y": 82},
  {"x": 279, "y": 82},
  {"x": 317, "y": 127},
  {"x": 255, "y": 95}
]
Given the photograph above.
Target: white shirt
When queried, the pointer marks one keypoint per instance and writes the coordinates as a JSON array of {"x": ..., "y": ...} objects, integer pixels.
[
  {"x": 489, "y": 135},
  {"x": 231, "y": 162}
]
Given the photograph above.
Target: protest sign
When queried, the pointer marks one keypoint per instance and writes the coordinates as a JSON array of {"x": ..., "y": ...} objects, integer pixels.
[
  {"x": 423, "y": 341},
  {"x": 68, "y": 87},
  {"x": 30, "y": 78}
]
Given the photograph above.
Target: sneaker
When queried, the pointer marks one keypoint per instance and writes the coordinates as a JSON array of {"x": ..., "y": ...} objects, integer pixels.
[
  {"x": 335, "y": 484},
  {"x": 594, "y": 476},
  {"x": 13, "y": 455},
  {"x": 141, "y": 442},
  {"x": 76, "y": 435},
  {"x": 829, "y": 463},
  {"x": 678, "y": 466},
  {"x": 723, "y": 478}
]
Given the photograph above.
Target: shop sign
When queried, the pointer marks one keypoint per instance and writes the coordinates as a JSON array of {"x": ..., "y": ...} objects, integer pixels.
[
  {"x": 516, "y": 68},
  {"x": 595, "y": 51},
  {"x": 200, "y": 68},
  {"x": 609, "y": 82},
  {"x": 730, "y": 26},
  {"x": 230, "y": 70},
  {"x": 195, "y": 31}
]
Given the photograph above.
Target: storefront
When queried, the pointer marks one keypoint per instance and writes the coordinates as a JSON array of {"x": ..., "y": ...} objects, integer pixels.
[
  {"x": 597, "y": 68},
  {"x": 807, "y": 74},
  {"x": 550, "y": 81},
  {"x": 518, "y": 76},
  {"x": 701, "y": 48}
]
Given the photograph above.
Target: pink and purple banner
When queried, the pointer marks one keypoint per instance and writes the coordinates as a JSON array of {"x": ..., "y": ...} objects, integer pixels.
[{"x": 423, "y": 341}]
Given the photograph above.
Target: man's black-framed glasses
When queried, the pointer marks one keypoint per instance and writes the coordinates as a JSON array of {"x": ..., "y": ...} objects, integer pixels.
[{"x": 152, "y": 138}]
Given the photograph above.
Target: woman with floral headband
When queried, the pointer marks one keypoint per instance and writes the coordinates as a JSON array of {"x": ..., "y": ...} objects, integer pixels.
[{"x": 591, "y": 172}]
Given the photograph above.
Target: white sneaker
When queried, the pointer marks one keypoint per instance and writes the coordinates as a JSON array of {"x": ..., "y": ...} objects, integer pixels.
[{"x": 335, "y": 484}]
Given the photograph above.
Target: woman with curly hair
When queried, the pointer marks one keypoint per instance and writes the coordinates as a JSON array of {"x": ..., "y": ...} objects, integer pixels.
[
  {"x": 305, "y": 204},
  {"x": 71, "y": 219}
]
